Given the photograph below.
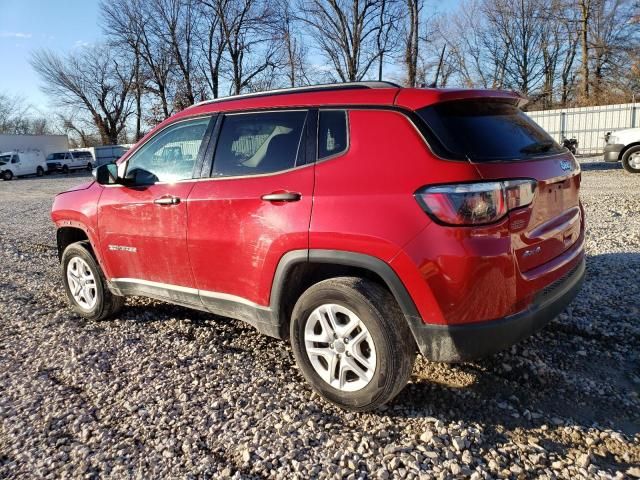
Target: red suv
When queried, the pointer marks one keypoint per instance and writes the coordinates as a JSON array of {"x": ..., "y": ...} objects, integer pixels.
[{"x": 366, "y": 222}]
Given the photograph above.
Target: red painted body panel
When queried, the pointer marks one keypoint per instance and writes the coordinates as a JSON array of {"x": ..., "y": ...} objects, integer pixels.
[
  {"x": 363, "y": 200},
  {"x": 236, "y": 239},
  {"x": 77, "y": 208},
  {"x": 127, "y": 217}
]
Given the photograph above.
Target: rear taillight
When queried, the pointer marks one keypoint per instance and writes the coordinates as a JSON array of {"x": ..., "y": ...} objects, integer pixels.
[{"x": 475, "y": 203}]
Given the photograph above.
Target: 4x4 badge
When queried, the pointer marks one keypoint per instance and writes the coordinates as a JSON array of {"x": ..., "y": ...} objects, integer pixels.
[{"x": 565, "y": 165}]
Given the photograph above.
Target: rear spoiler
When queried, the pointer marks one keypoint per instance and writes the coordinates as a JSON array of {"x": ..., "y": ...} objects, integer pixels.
[{"x": 415, "y": 98}]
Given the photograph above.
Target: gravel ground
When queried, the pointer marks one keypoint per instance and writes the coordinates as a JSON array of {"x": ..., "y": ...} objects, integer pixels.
[{"x": 164, "y": 391}]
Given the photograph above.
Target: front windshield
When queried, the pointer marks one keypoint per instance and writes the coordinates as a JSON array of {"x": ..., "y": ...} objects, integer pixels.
[{"x": 5, "y": 159}]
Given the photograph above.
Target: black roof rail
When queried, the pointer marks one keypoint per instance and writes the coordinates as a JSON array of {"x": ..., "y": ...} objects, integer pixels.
[{"x": 307, "y": 89}]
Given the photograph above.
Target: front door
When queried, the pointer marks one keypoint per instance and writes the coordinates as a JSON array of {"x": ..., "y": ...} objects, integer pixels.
[
  {"x": 254, "y": 209},
  {"x": 142, "y": 224}
]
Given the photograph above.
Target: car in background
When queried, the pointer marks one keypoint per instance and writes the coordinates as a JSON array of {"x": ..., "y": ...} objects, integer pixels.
[
  {"x": 624, "y": 146},
  {"x": 66, "y": 161},
  {"x": 20, "y": 164}
]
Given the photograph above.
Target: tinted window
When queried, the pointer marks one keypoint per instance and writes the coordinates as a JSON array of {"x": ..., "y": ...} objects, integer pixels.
[
  {"x": 170, "y": 155},
  {"x": 332, "y": 133},
  {"x": 255, "y": 143},
  {"x": 15, "y": 159},
  {"x": 487, "y": 130},
  {"x": 82, "y": 155},
  {"x": 4, "y": 159},
  {"x": 56, "y": 156}
]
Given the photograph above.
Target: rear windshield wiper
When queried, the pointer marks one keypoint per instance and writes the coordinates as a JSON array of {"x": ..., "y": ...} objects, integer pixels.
[{"x": 537, "y": 147}]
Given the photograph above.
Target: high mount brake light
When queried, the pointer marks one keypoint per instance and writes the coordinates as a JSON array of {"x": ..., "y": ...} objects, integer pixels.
[{"x": 475, "y": 203}]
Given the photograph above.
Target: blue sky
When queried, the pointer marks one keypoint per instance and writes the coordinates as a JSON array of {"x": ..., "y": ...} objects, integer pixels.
[
  {"x": 26, "y": 25},
  {"x": 62, "y": 25}
]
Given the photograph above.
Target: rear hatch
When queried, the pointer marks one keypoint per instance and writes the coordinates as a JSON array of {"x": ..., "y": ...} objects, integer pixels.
[{"x": 503, "y": 143}]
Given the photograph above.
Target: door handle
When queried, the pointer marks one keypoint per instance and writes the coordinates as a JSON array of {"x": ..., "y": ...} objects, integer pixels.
[
  {"x": 168, "y": 200},
  {"x": 282, "y": 197}
]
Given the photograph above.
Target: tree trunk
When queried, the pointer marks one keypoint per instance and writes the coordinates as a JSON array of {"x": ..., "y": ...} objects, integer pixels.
[{"x": 585, "y": 6}]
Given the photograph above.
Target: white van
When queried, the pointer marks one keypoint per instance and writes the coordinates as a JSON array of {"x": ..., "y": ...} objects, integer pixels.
[
  {"x": 22, "y": 163},
  {"x": 66, "y": 161}
]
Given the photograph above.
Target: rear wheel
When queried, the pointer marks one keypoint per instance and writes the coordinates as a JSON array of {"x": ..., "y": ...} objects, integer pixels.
[
  {"x": 7, "y": 175},
  {"x": 350, "y": 340},
  {"x": 85, "y": 284},
  {"x": 89, "y": 166},
  {"x": 631, "y": 160},
  {"x": 40, "y": 171}
]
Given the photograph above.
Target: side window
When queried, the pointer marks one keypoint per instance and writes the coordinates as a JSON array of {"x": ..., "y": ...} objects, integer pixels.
[
  {"x": 15, "y": 159},
  {"x": 332, "y": 133},
  {"x": 255, "y": 143},
  {"x": 170, "y": 155}
]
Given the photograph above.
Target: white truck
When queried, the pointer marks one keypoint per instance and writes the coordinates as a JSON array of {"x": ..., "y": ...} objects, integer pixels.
[
  {"x": 22, "y": 163},
  {"x": 624, "y": 145}
]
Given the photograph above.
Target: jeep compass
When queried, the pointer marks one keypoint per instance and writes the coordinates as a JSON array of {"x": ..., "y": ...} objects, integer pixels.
[{"x": 365, "y": 223}]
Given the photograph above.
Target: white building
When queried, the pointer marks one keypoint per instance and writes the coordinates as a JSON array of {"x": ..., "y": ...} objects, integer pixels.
[{"x": 45, "y": 143}]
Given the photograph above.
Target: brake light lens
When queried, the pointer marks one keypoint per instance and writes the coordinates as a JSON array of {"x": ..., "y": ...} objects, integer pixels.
[{"x": 475, "y": 203}]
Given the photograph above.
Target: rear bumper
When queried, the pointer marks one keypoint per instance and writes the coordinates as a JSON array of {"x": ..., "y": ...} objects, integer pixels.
[
  {"x": 459, "y": 343},
  {"x": 612, "y": 152}
]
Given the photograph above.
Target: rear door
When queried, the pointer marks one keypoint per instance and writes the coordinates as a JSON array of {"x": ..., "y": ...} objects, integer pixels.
[
  {"x": 142, "y": 225},
  {"x": 503, "y": 143},
  {"x": 254, "y": 208}
]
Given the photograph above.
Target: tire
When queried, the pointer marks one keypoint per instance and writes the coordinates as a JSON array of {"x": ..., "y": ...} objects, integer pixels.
[
  {"x": 103, "y": 304},
  {"x": 631, "y": 160},
  {"x": 7, "y": 175},
  {"x": 65, "y": 169},
  {"x": 40, "y": 171},
  {"x": 385, "y": 342},
  {"x": 89, "y": 167}
]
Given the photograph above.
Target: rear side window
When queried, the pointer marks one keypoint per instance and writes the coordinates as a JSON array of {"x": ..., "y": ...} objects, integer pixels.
[
  {"x": 332, "y": 133},
  {"x": 486, "y": 130},
  {"x": 258, "y": 143}
]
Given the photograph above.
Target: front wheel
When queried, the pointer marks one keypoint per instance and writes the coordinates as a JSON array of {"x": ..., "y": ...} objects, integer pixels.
[
  {"x": 65, "y": 169},
  {"x": 89, "y": 167},
  {"x": 631, "y": 160},
  {"x": 40, "y": 171},
  {"x": 352, "y": 342},
  {"x": 7, "y": 175},
  {"x": 85, "y": 284}
]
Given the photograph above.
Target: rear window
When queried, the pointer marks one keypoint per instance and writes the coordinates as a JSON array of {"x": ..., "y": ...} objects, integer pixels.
[{"x": 485, "y": 130}]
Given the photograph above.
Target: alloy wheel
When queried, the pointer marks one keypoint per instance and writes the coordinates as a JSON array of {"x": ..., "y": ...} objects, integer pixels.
[
  {"x": 82, "y": 283},
  {"x": 340, "y": 347}
]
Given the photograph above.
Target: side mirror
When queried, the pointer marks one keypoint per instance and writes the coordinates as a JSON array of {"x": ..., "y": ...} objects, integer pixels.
[{"x": 106, "y": 174}]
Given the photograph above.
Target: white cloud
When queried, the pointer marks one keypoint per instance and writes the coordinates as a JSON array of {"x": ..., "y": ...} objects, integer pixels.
[
  {"x": 15, "y": 35},
  {"x": 81, "y": 44}
]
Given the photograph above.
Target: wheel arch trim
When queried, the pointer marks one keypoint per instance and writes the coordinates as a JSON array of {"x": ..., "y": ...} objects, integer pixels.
[{"x": 345, "y": 258}]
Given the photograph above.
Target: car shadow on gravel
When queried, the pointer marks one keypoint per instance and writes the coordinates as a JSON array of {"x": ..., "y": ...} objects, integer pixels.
[{"x": 582, "y": 370}]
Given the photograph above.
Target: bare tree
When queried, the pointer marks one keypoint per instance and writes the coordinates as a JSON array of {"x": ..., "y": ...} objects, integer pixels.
[
  {"x": 345, "y": 33},
  {"x": 412, "y": 41},
  {"x": 520, "y": 27},
  {"x": 13, "y": 112},
  {"x": 294, "y": 47},
  {"x": 585, "y": 7},
  {"x": 212, "y": 45},
  {"x": 91, "y": 80},
  {"x": 174, "y": 24},
  {"x": 389, "y": 19},
  {"x": 128, "y": 22}
]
